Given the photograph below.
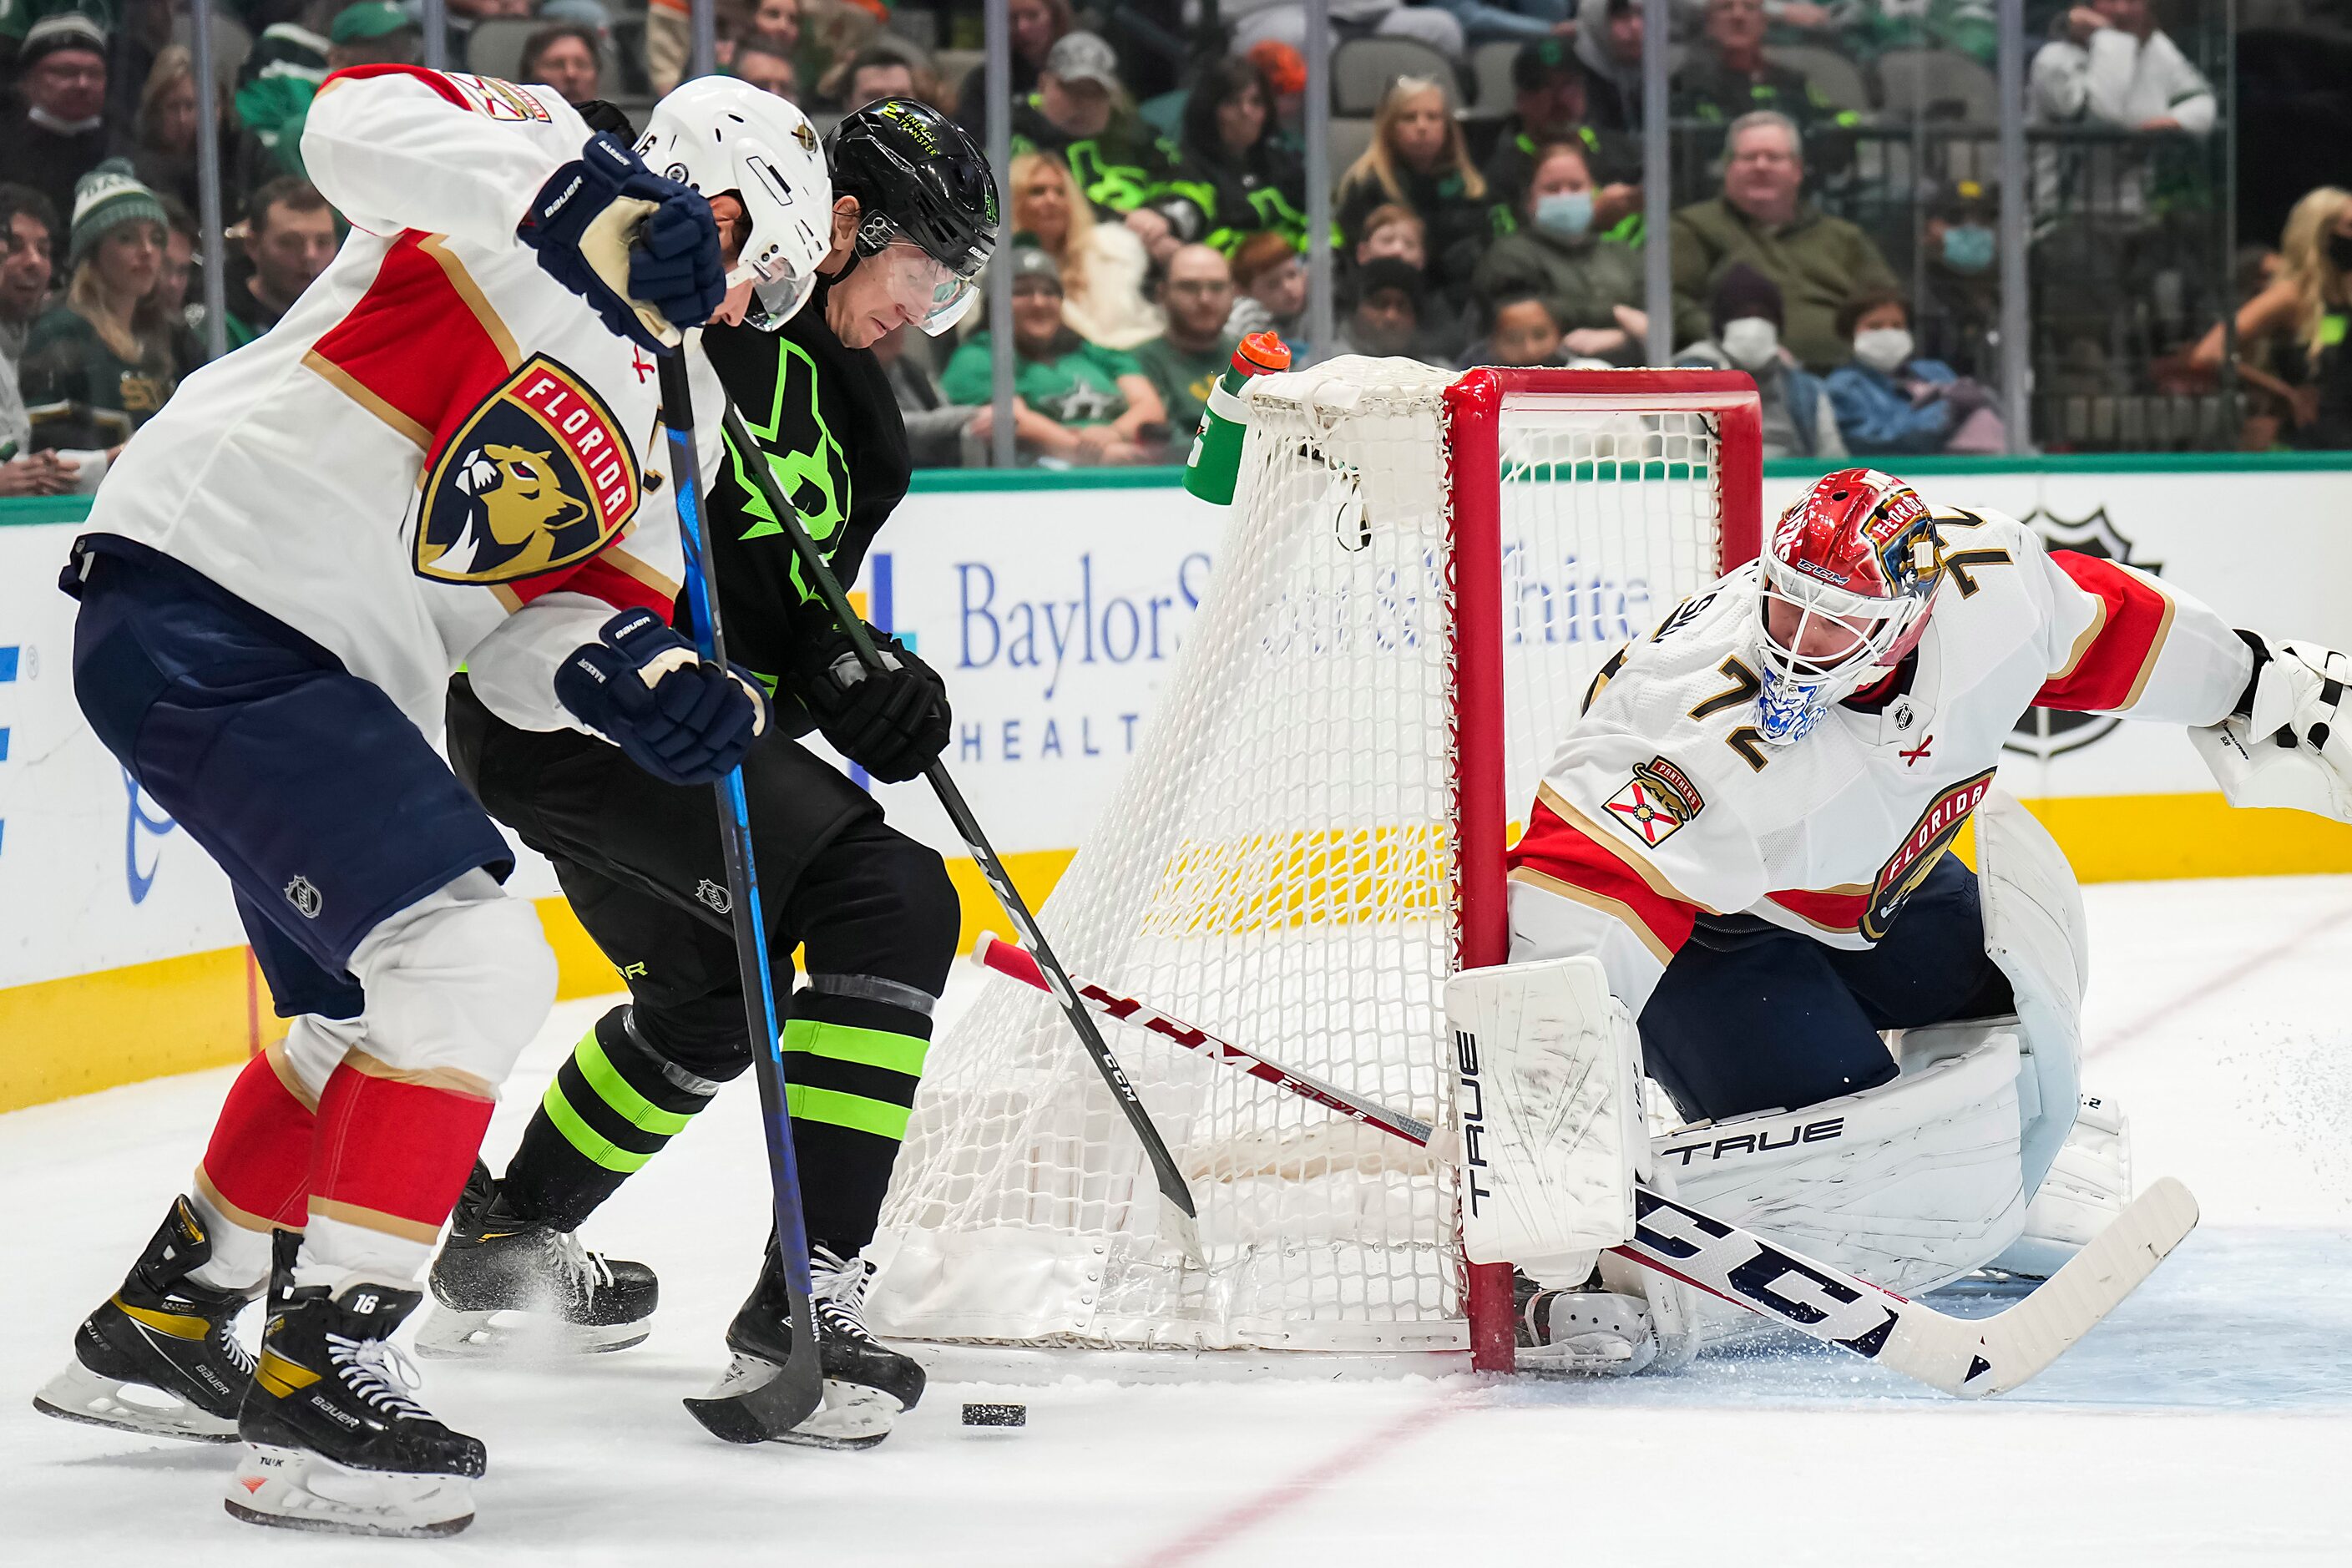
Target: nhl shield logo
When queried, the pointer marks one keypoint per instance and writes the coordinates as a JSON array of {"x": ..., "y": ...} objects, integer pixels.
[
  {"x": 304, "y": 895},
  {"x": 538, "y": 476},
  {"x": 2046, "y": 732},
  {"x": 715, "y": 894}
]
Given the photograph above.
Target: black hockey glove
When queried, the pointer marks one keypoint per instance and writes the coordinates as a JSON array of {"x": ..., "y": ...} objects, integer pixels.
[
  {"x": 640, "y": 686},
  {"x": 641, "y": 249},
  {"x": 893, "y": 723}
]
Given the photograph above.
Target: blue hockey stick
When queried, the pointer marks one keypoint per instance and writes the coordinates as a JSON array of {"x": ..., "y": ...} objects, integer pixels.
[{"x": 784, "y": 1401}]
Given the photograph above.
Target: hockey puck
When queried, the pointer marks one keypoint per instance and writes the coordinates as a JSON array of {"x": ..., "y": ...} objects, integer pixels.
[{"x": 996, "y": 1415}]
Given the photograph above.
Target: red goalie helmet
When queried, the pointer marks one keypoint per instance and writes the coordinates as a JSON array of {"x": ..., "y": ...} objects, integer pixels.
[{"x": 1845, "y": 586}]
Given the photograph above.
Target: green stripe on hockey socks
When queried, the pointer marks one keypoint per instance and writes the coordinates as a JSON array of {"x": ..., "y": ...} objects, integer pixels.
[
  {"x": 596, "y": 1069},
  {"x": 865, "y": 1048},
  {"x": 591, "y": 1144},
  {"x": 854, "y": 1111}
]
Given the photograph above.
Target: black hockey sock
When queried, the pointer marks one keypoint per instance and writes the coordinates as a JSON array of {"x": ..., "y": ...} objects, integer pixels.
[
  {"x": 611, "y": 1108},
  {"x": 854, "y": 1048}
]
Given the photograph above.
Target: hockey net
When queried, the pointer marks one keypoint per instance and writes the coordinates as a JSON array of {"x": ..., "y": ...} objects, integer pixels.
[{"x": 1421, "y": 576}]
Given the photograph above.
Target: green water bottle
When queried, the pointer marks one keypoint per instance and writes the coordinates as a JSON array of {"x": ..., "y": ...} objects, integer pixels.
[{"x": 1215, "y": 464}]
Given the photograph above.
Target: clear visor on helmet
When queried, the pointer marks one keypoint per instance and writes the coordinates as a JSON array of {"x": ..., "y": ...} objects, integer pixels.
[
  {"x": 932, "y": 295},
  {"x": 778, "y": 288}
]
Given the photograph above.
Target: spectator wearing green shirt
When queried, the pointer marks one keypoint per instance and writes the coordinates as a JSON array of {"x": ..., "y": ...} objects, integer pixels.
[
  {"x": 99, "y": 366},
  {"x": 1074, "y": 403},
  {"x": 289, "y": 237},
  {"x": 1080, "y": 112},
  {"x": 1185, "y": 363},
  {"x": 1592, "y": 284}
]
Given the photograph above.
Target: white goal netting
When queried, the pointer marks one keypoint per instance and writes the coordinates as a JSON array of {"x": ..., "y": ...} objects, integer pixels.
[{"x": 1277, "y": 867}]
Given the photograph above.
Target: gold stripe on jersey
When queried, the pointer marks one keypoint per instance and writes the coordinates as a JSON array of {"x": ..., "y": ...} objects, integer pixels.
[
  {"x": 1614, "y": 842},
  {"x": 347, "y": 383},
  {"x": 2156, "y": 643},
  {"x": 2075, "y": 655},
  {"x": 437, "y": 247},
  {"x": 1615, "y": 909}
]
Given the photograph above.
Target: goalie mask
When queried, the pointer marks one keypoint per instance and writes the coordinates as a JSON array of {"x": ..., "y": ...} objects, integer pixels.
[
  {"x": 724, "y": 137},
  {"x": 1843, "y": 594}
]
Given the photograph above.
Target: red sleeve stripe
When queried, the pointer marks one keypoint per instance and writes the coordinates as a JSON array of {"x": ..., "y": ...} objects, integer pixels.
[
  {"x": 613, "y": 575},
  {"x": 2112, "y": 661},
  {"x": 1836, "y": 909},
  {"x": 1565, "y": 858},
  {"x": 433, "y": 80}
]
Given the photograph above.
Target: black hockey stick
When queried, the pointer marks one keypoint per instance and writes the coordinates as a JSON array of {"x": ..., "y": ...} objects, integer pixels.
[
  {"x": 790, "y": 1398},
  {"x": 1181, "y": 1220},
  {"x": 1967, "y": 1356}
]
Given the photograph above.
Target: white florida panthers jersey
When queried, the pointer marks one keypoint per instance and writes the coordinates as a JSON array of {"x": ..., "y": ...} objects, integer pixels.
[
  {"x": 440, "y": 455},
  {"x": 1666, "y": 803}
]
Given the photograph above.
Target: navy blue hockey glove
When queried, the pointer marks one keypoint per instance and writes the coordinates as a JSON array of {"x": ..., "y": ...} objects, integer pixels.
[
  {"x": 639, "y": 685},
  {"x": 641, "y": 249},
  {"x": 893, "y": 723}
]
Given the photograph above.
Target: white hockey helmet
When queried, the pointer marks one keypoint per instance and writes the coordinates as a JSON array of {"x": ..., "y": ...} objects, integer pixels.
[{"x": 725, "y": 136}]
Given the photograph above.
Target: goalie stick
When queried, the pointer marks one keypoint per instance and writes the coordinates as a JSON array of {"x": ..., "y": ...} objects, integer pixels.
[
  {"x": 793, "y": 1394},
  {"x": 1970, "y": 1357},
  {"x": 1180, "y": 1220}
]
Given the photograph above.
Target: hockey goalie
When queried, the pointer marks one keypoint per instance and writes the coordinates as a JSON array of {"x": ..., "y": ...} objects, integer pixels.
[{"x": 1736, "y": 882}]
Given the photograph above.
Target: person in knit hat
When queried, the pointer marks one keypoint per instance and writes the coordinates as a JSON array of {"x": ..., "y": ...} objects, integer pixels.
[
  {"x": 58, "y": 131},
  {"x": 1745, "y": 313},
  {"x": 98, "y": 365}
]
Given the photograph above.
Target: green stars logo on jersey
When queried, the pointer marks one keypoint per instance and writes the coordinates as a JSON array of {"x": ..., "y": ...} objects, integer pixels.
[{"x": 803, "y": 453}]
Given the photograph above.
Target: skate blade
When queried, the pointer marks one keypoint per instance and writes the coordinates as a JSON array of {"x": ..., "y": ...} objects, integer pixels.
[
  {"x": 292, "y": 1488},
  {"x": 78, "y": 1394},
  {"x": 448, "y": 1334},
  {"x": 852, "y": 1416}
]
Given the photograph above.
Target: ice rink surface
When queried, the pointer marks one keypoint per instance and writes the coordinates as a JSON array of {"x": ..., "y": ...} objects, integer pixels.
[{"x": 2209, "y": 1421}]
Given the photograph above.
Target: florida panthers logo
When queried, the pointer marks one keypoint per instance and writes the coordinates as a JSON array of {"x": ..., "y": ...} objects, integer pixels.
[{"x": 538, "y": 477}]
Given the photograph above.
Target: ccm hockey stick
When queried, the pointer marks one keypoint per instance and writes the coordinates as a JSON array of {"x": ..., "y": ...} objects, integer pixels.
[
  {"x": 1181, "y": 1220},
  {"x": 790, "y": 1398},
  {"x": 1964, "y": 1356}
]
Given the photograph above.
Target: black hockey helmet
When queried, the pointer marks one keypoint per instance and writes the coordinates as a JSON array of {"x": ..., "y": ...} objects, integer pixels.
[{"x": 918, "y": 176}]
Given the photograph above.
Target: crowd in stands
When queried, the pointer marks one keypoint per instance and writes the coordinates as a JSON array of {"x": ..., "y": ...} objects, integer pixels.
[{"x": 1488, "y": 203}]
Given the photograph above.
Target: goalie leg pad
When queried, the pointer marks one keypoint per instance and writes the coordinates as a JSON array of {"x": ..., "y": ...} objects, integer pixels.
[
  {"x": 2087, "y": 1187},
  {"x": 1547, "y": 1109},
  {"x": 2034, "y": 931},
  {"x": 1910, "y": 1185}
]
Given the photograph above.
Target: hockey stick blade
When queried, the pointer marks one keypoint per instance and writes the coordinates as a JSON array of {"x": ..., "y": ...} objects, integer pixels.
[
  {"x": 1963, "y": 1356},
  {"x": 759, "y": 1415},
  {"x": 1180, "y": 1218}
]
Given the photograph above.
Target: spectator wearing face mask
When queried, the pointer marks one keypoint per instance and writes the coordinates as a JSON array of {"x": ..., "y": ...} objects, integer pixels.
[
  {"x": 1074, "y": 403},
  {"x": 1183, "y": 363},
  {"x": 1080, "y": 113},
  {"x": 1799, "y": 420},
  {"x": 1591, "y": 284},
  {"x": 1522, "y": 333},
  {"x": 1960, "y": 310},
  {"x": 1270, "y": 278},
  {"x": 1890, "y": 402},
  {"x": 1550, "y": 103},
  {"x": 59, "y": 131},
  {"x": 1385, "y": 319}
]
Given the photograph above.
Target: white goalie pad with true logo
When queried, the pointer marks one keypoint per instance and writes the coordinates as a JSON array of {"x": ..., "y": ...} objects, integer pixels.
[{"x": 1547, "y": 1107}]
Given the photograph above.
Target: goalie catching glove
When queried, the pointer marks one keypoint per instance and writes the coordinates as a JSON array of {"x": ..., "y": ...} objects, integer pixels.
[
  {"x": 2286, "y": 744},
  {"x": 641, "y": 249},
  {"x": 893, "y": 723},
  {"x": 640, "y": 686}
]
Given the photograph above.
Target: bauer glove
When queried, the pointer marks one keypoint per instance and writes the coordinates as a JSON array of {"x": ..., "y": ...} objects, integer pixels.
[
  {"x": 892, "y": 722},
  {"x": 640, "y": 686},
  {"x": 642, "y": 250}
]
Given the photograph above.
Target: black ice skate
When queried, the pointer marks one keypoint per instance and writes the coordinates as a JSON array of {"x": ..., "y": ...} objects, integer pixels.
[
  {"x": 511, "y": 1287},
  {"x": 334, "y": 1439},
  {"x": 867, "y": 1384},
  {"x": 159, "y": 1355}
]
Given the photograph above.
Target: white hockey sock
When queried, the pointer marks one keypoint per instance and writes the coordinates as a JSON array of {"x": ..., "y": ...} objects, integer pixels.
[
  {"x": 335, "y": 1251},
  {"x": 240, "y": 1259}
]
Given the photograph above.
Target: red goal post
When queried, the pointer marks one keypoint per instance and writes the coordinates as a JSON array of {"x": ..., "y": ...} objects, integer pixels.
[{"x": 1474, "y": 406}]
